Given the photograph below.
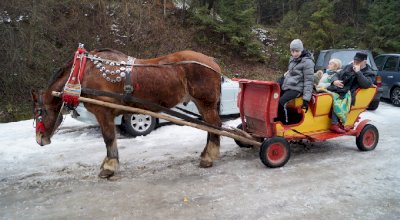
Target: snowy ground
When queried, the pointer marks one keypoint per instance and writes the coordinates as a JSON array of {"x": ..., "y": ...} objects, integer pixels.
[{"x": 159, "y": 177}]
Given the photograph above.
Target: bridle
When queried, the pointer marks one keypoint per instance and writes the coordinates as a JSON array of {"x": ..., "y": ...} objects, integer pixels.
[{"x": 39, "y": 113}]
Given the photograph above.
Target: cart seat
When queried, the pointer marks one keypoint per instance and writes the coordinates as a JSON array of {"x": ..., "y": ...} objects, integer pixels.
[
  {"x": 295, "y": 103},
  {"x": 364, "y": 98},
  {"x": 320, "y": 104}
]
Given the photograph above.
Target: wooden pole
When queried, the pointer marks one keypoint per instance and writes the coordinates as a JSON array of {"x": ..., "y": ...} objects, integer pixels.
[{"x": 245, "y": 140}]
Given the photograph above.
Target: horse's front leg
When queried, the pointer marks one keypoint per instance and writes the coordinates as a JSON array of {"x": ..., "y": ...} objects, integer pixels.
[
  {"x": 111, "y": 163},
  {"x": 211, "y": 150}
]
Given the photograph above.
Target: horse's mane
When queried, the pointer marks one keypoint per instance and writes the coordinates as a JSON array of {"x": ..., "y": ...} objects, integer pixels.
[
  {"x": 108, "y": 50},
  {"x": 59, "y": 71}
]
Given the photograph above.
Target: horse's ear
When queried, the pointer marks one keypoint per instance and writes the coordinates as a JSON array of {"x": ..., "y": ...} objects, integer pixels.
[{"x": 34, "y": 95}]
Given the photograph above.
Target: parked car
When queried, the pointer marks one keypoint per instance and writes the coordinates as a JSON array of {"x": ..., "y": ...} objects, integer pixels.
[
  {"x": 389, "y": 70},
  {"x": 346, "y": 56},
  {"x": 139, "y": 124}
]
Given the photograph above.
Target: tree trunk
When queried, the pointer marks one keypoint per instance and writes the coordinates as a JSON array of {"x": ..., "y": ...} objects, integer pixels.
[
  {"x": 165, "y": 7},
  {"x": 210, "y": 4},
  {"x": 258, "y": 19},
  {"x": 183, "y": 11}
]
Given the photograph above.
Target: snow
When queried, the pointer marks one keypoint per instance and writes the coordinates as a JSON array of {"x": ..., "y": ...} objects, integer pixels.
[
  {"x": 77, "y": 140},
  {"x": 159, "y": 176}
]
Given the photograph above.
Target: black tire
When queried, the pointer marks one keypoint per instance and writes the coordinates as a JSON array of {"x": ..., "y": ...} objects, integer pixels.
[
  {"x": 368, "y": 138},
  {"x": 242, "y": 145},
  {"x": 373, "y": 105},
  {"x": 275, "y": 152},
  {"x": 395, "y": 96},
  {"x": 138, "y": 124}
]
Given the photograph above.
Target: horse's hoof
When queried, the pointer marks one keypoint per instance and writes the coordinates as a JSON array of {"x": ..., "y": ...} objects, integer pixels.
[
  {"x": 106, "y": 174},
  {"x": 205, "y": 164}
]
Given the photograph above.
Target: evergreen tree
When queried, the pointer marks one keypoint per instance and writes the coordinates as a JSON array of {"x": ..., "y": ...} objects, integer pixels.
[
  {"x": 383, "y": 29},
  {"x": 322, "y": 32},
  {"x": 237, "y": 19},
  {"x": 233, "y": 20}
]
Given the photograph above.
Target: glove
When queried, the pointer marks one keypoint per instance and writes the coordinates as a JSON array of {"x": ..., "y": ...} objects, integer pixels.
[{"x": 305, "y": 105}]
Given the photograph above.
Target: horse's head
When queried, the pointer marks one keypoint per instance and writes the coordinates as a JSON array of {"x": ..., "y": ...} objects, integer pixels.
[{"x": 46, "y": 113}]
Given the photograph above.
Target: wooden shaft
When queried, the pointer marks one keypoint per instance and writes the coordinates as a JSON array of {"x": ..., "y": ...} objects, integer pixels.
[{"x": 168, "y": 118}]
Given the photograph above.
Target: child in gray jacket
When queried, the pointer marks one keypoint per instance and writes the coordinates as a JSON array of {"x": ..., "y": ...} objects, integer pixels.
[{"x": 299, "y": 78}]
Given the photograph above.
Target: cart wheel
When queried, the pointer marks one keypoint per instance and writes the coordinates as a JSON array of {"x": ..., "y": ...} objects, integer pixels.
[
  {"x": 368, "y": 138},
  {"x": 275, "y": 152},
  {"x": 242, "y": 145}
]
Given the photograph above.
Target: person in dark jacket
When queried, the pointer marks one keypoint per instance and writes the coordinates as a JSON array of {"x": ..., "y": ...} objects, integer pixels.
[
  {"x": 299, "y": 78},
  {"x": 356, "y": 75}
]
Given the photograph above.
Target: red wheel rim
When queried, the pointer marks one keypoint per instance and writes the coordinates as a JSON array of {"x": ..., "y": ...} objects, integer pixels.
[
  {"x": 369, "y": 138},
  {"x": 276, "y": 153}
]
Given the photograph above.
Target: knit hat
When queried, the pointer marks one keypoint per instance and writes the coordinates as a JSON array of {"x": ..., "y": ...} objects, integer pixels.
[
  {"x": 296, "y": 44},
  {"x": 360, "y": 56}
]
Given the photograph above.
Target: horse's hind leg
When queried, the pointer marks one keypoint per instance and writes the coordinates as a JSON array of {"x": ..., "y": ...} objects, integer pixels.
[
  {"x": 211, "y": 150},
  {"x": 111, "y": 162}
]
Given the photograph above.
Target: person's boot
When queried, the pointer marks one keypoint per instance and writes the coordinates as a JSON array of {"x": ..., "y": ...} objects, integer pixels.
[
  {"x": 336, "y": 128},
  {"x": 345, "y": 128}
]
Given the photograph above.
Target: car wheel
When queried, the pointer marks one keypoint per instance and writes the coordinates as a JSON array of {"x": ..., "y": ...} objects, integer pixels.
[
  {"x": 138, "y": 124},
  {"x": 275, "y": 152},
  {"x": 373, "y": 105},
  {"x": 395, "y": 96},
  {"x": 368, "y": 138}
]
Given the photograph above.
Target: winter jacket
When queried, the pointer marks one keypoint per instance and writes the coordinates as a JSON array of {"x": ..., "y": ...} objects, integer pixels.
[
  {"x": 300, "y": 75},
  {"x": 326, "y": 79},
  {"x": 353, "y": 80}
]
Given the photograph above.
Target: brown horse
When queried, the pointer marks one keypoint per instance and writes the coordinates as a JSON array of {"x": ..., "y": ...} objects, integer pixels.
[{"x": 166, "y": 85}]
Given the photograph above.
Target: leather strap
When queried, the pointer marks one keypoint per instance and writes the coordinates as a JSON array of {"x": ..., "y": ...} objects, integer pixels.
[{"x": 128, "y": 88}]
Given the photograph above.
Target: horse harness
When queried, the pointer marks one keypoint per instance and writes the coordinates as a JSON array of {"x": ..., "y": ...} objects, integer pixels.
[
  {"x": 115, "y": 76},
  {"x": 72, "y": 89},
  {"x": 39, "y": 112},
  {"x": 126, "y": 68}
]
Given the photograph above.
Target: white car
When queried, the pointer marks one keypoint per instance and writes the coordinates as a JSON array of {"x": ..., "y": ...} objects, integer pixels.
[{"x": 139, "y": 124}]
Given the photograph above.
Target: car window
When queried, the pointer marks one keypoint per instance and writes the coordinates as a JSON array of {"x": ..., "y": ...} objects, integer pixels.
[
  {"x": 379, "y": 61},
  {"x": 391, "y": 64},
  {"x": 320, "y": 61},
  {"x": 346, "y": 56}
]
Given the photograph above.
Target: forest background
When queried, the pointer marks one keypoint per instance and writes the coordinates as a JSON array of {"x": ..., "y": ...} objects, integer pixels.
[{"x": 248, "y": 38}]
